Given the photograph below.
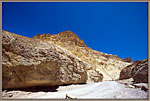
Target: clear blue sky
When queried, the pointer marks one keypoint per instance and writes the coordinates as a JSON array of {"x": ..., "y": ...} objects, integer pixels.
[{"x": 115, "y": 28}]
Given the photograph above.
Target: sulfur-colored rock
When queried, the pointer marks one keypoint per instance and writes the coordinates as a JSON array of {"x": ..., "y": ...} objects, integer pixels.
[{"x": 30, "y": 62}]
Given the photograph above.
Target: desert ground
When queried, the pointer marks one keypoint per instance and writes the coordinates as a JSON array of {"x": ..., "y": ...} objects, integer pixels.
[{"x": 122, "y": 89}]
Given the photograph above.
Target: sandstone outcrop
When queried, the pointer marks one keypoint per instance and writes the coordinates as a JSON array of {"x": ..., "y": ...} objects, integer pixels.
[
  {"x": 138, "y": 70},
  {"x": 107, "y": 64},
  {"x": 49, "y": 60},
  {"x": 30, "y": 62}
]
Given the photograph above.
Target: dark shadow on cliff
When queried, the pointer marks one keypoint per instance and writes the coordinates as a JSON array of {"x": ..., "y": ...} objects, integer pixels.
[
  {"x": 74, "y": 84},
  {"x": 40, "y": 88},
  {"x": 36, "y": 89}
]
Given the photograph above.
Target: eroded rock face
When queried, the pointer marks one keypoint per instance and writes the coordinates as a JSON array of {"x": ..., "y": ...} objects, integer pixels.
[
  {"x": 106, "y": 64},
  {"x": 58, "y": 59},
  {"x": 126, "y": 72},
  {"x": 138, "y": 70},
  {"x": 30, "y": 62},
  {"x": 94, "y": 75}
]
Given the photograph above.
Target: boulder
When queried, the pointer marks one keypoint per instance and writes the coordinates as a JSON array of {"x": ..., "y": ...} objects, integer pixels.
[
  {"x": 126, "y": 72},
  {"x": 138, "y": 70},
  {"x": 30, "y": 62}
]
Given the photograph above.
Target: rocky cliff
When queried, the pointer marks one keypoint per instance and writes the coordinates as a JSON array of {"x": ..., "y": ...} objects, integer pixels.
[
  {"x": 107, "y": 64},
  {"x": 48, "y": 60}
]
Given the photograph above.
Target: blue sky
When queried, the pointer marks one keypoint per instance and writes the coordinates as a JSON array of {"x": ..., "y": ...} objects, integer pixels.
[{"x": 110, "y": 27}]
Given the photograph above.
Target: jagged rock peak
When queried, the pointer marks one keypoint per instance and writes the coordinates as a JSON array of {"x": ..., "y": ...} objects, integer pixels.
[
  {"x": 67, "y": 37},
  {"x": 41, "y": 36},
  {"x": 128, "y": 59},
  {"x": 67, "y": 34},
  {"x": 62, "y": 34}
]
